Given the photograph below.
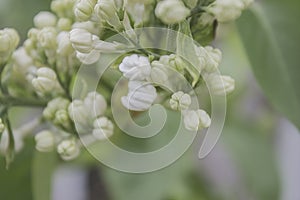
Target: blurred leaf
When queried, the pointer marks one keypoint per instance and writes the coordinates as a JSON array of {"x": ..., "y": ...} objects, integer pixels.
[
  {"x": 42, "y": 170},
  {"x": 15, "y": 183},
  {"x": 269, "y": 31}
]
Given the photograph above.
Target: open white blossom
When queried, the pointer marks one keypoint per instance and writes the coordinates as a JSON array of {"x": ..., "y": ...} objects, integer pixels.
[
  {"x": 68, "y": 149},
  {"x": 140, "y": 97},
  {"x": 136, "y": 67},
  {"x": 171, "y": 11},
  {"x": 44, "y": 19},
  {"x": 196, "y": 119},
  {"x": 180, "y": 101},
  {"x": 103, "y": 128},
  {"x": 45, "y": 141}
]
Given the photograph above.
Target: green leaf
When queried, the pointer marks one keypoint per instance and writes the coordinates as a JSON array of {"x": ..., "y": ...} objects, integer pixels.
[
  {"x": 270, "y": 32},
  {"x": 42, "y": 170}
]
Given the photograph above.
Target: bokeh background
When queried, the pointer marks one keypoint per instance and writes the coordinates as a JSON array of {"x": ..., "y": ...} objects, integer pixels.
[{"x": 257, "y": 157}]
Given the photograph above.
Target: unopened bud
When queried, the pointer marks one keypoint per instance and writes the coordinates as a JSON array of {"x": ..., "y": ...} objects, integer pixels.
[
  {"x": 45, "y": 141},
  {"x": 68, "y": 149},
  {"x": 103, "y": 128},
  {"x": 44, "y": 19},
  {"x": 180, "y": 101}
]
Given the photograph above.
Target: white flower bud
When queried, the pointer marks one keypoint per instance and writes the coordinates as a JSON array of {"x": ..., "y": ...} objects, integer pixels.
[
  {"x": 9, "y": 40},
  {"x": 64, "y": 44},
  {"x": 220, "y": 85},
  {"x": 44, "y": 19},
  {"x": 46, "y": 81},
  {"x": 213, "y": 60},
  {"x": 54, "y": 105},
  {"x": 106, "y": 11},
  {"x": 82, "y": 40},
  {"x": 63, "y": 8},
  {"x": 226, "y": 10},
  {"x": 62, "y": 119},
  {"x": 140, "y": 97},
  {"x": 88, "y": 58},
  {"x": 180, "y": 101},
  {"x": 45, "y": 141},
  {"x": 172, "y": 61},
  {"x": 194, "y": 120},
  {"x": 95, "y": 103},
  {"x": 88, "y": 26},
  {"x": 103, "y": 128},
  {"x": 64, "y": 24},
  {"x": 2, "y": 126},
  {"x": 47, "y": 38},
  {"x": 171, "y": 11},
  {"x": 84, "y": 9},
  {"x": 21, "y": 59},
  {"x": 136, "y": 67},
  {"x": 79, "y": 113},
  {"x": 159, "y": 74},
  {"x": 68, "y": 149}
]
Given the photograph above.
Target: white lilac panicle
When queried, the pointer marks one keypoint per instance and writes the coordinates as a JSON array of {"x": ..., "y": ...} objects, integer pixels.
[
  {"x": 46, "y": 81},
  {"x": 68, "y": 149},
  {"x": 226, "y": 10},
  {"x": 171, "y": 11},
  {"x": 220, "y": 85},
  {"x": 9, "y": 40},
  {"x": 180, "y": 101},
  {"x": 44, "y": 19},
  {"x": 103, "y": 128},
  {"x": 140, "y": 96},
  {"x": 45, "y": 141},
  {"x": 196, "y": 119},
  {"x": 136, "y": 67}
]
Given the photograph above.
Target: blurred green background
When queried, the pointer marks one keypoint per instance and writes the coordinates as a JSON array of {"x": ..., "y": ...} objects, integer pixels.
[{"x": 257, "y": 157}]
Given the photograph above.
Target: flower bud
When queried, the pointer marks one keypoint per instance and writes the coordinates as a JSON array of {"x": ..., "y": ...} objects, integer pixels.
[
  {"x": 82, "y": 40},
  {"x": 180, "y": 101},
  {"x": 159, "y": 74},
  {"x": 68, "y": 149},
  {"x": 9, "y": 40},
  {"x": 88, "y": 58},
  {"x": 78, "y": 112},
  {"x": 171, "y": 11},
  {"x": 226, "y": 10},
  {"x": 64, "y": 44},
  {"x": 44, "y": 19},
  {"x": 63, "y": 8},
  {"x": 47, "y": 38},
  {"x": 220, "y": 85},
  {"x": 106, "y": 11},
  {"x": 64, "y": 24},
  {"x": 173, "y": 61},
  {"x": 55, "y": 105},
  {"x": 84, "y": 9},
  {"x": 95, "y": 103},
  {"x": 136, "y": 67},
  {"x": 140, "y": 97},
  {"x": 21, "y": 59},
  {"x": 213, "y": 60},
  {"x": 46, "y": 81},
  {"x": 194, "y": 120},
  {"x": 2, "y": 126},
  {"x": 45, "y": 141},
  {"x": 103, "y": 128}
]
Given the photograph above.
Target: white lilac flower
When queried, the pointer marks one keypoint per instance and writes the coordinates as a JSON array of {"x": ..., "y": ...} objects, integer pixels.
[
  {"x": 173, "y": 61},
  {"x": 64, "y": 45},
  {"x": 159, "y": 73},
  {"x": 95, "y": 103},
  {"x": 47, "y": 38},
  {"x": 171, "y": 11},
  {"x": 78, "y": 112},
  {"x": 9, "y": 40},
  {"x": 64, "y": 24},
  {"x": 46, "y": 81},
  {"x": 45, "y": 141},
  {"x": 2, "y": 126},
  {"x": 44, "y": 19},
  {"x": 68, "y": 149},
  {"x": 213, "y": 60},
  {"x": 135, "y": 67},
  {"x": 140, "y": 97},
  {"x": 82, "y": 40},
  {"x": 84, "y": 9},
  {"x": 180, "y": 101},
  {"x": 106, "y": 11},
  {"x": 54, "y": 105},
  {"x": 196, "y": 119},
  {"x": 103, "y": 128},
  {"x": 21, "y": 59},
  {"x": 226, "y": 10},
  {"x": 220, "y": 85}
]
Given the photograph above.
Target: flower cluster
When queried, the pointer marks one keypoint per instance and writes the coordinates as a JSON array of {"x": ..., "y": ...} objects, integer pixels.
[{"x": 42, "y": 71}]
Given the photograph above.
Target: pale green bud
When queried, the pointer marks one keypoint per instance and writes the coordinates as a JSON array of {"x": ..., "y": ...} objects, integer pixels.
[
  {"x": 54, "y": 106},
  {"x": 180, "y": 101},
  {"x": 45, "y": 141},
  {"x": 173, "y": 61},
  {"x": 171, "y": 11},
  {"x": 64, "y": 24},
  {"x": 103, "y": 128},
  {"x": 47, "y": 38},
  {"x": 62, "y": 119},
  {"x": 63, "y": 8},
  {"x": 84, "y": 9},
  {"x": 9, "y": 40},
  {"x": 2, "y": 126},
  {"x": 68, "y": 149},
  {"x": 44, "y": 19},
  {"x": 46, "y": 81},
  {"x": 196, "y": 119},
  {"x": 220, "y": 85}
]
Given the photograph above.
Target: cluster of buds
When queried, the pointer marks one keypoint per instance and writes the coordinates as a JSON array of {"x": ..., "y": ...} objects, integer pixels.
[{"x": 43, "y": 70}]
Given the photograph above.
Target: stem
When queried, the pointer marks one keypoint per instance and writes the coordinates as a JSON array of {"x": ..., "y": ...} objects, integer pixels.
[
  {"x": 11, "y": 101},
  {"x": 62, "y": 84}
]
